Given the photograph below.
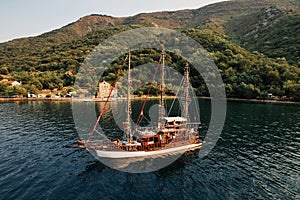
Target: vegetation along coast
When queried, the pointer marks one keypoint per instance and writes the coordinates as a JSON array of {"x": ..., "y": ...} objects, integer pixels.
[{"x": 257, "y": 60}]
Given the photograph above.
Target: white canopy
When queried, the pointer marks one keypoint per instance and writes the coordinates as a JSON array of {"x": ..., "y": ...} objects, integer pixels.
[{"x": 177, "y": 119}]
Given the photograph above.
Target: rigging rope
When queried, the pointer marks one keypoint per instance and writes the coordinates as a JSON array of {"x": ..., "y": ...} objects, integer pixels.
[
  {"x": 145, "y": 100},
  {"x": 106, "y": 102},
  {"x": 181, "y": 83}
]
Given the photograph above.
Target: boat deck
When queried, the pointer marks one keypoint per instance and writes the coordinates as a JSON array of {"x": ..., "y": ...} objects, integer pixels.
[{"x": 138, "y": 147}]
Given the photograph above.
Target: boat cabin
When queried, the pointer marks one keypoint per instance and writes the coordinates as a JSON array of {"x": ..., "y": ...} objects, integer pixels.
[{"x": 174, "y": 122}]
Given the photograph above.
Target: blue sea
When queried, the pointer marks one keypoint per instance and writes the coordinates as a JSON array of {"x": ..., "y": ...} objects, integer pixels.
[{"x": 256, "y": 157}]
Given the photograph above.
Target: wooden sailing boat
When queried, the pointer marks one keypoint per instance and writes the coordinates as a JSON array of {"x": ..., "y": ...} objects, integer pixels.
[{"x": 173, "y": 135}]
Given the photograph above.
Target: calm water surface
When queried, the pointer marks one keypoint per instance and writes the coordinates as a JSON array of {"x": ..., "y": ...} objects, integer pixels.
[{"x": 257, "y": 157}]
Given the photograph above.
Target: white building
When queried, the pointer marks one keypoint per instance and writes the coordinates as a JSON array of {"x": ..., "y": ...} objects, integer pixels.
[{"x": 103, "y": 90}]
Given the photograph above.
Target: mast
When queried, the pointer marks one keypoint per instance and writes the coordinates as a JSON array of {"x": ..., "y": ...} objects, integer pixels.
[
  {"x": 128, "y": 130},
  {"x": 162, "y": 93},
  {"x": 187, "y": 99}
]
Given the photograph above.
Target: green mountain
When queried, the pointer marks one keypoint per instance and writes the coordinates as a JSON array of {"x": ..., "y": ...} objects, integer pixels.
[
  {"x": 254, "y": 43},
  {"x": 273, "y": 31}
]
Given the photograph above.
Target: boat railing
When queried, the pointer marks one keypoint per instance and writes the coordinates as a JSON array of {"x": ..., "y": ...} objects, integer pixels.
[{"x": 118, "y": 145}]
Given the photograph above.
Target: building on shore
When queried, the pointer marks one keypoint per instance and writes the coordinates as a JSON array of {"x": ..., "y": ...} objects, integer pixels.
[{"x": 103, "y": 89}]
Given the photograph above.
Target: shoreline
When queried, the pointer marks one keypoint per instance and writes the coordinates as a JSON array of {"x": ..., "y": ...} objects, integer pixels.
[
  {"x": 25, "y": 99},
  {"x": 262, "y": 101},
  {"x": 14, "y": 99}
]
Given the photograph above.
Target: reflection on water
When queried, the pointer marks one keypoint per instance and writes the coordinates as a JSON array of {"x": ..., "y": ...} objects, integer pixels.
[{"x": 257, "y": 157}]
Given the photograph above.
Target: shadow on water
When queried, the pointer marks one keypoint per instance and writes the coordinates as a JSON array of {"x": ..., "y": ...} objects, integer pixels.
[{"x": 93, "y": 169}]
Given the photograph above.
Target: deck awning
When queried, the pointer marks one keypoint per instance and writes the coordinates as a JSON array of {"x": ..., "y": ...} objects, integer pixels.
[{"x": 177, "y": 119}]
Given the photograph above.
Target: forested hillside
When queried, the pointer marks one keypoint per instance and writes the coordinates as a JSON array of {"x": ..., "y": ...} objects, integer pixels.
[{"x": 254, "y": 44}]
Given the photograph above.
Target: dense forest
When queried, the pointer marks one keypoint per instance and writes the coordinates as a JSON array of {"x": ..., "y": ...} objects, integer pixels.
[{"x": 270, "y": 64}]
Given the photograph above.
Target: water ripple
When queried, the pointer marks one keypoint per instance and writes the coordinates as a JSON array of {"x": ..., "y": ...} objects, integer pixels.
[{"x": 257, "y": 157}]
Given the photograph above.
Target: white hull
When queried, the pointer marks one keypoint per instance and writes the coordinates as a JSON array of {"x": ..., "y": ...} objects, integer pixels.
[{"x": 140, "y": 154}]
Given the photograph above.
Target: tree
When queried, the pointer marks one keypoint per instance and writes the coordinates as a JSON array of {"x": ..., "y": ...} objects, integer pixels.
[
  {"x": 21, "y": 91},
  {"x": 4, "y": 70},
  {"x": 32, "y": 89},
  {"x": 3, "y": 88},
  {"x": 292, "y": 89}
]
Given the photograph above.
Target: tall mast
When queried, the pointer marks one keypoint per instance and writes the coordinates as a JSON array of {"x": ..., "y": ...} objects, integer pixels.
[
  {"x": 128, "y": 131},
  {"x": 162, "y": 93},
  {"x": 187, "y": 99}
]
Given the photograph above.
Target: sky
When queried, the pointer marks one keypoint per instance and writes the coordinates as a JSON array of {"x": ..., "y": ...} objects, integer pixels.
[{"x": 19, "y": 18}]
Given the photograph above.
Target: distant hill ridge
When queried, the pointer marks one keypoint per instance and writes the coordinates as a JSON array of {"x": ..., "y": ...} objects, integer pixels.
[
  {"x": 237, "y": 16},
  {"x": 169, "y": 19}
]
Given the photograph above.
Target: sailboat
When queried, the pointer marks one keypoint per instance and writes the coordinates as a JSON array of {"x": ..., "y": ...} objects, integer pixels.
[{"x": 173, "y": 135}]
